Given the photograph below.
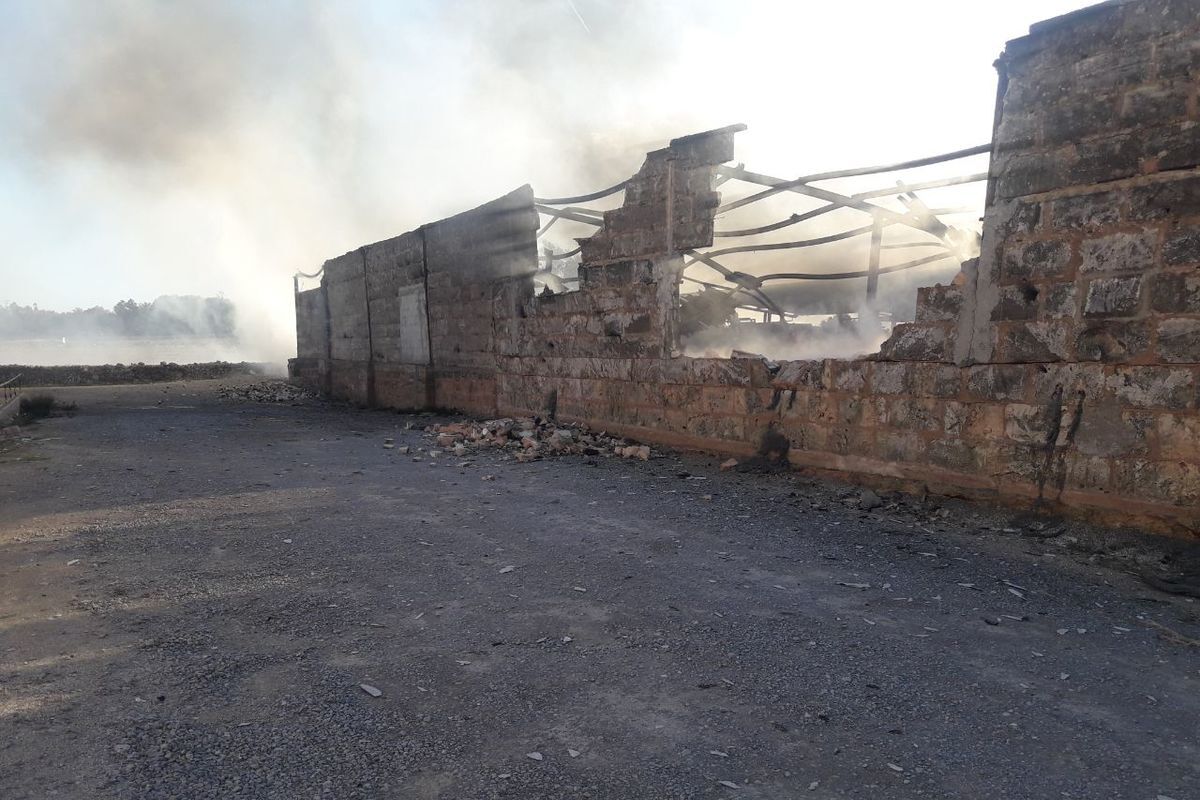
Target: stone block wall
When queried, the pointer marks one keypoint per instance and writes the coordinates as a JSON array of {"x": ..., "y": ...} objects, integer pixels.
[
  {"x": 1062, "y": 368},
  {"x": 1093, "y": 222},
  {"x": 312, "y": 338},
  {"x": 465, "y": 255},
  {"x": 407, "y": 322},
  {"x": 668, "y": 204}
]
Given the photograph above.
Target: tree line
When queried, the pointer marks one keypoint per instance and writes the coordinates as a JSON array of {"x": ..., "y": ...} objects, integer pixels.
[{"x": 169, "y": 316}]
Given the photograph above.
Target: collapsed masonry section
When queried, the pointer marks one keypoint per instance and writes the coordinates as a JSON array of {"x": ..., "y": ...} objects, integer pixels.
[{"x": 1062, "y": 368}]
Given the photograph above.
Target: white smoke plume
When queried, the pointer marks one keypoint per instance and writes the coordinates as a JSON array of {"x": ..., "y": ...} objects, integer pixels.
[{"x": 153, "y": 148}]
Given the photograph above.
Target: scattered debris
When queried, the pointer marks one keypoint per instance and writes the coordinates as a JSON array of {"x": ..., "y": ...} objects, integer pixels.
[
  {"x": 573, "y": 753},
  {"x": 532, "y": 438},
  {"x": 507, "y": 569},
  {"x": 275, "y": 391},
  {"x": 730, "y": 464},
  {"x": 868, "y": 500},
  {"x": 535, "y": 755},
  {"x": 729, "y": 784},
  {"x": 895, "y": 767},
  {"x": 371, "y": 690}
]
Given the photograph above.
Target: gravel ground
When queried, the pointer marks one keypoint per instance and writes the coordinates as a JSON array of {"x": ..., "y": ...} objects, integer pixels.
[{"x": 194, "y": 588}]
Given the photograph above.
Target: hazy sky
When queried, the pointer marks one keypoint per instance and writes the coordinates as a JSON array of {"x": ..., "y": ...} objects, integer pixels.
[{"x": 218, "y": 145}]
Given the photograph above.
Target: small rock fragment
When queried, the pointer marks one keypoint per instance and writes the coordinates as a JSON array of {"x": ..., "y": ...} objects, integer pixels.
[
  {"x": 371, "y": 690},
  {"x": 572, "y": 753},
  {"x": 535, "y": 755},
  {"x": 868, "y": 500},
  {"x": 729, "y": 464},
  {"x": 507, "y": 569}
]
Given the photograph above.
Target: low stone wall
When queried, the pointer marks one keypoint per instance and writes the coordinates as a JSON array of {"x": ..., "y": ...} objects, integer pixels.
[{"x": 108, "y": 374}]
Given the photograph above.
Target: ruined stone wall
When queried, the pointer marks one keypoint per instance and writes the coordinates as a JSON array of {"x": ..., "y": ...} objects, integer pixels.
[
  {"x": 1063, "y": 366},
  {"x": 399, "y": 323},
  {"x": 1059, "y": 369},
  {"x": 407, "y": 322},
  {"x": 344, "y": 282},
  {"x": 1093, "y": 221},
  {"x": 312, "y": 338},
  {"x": 465, "y": 255}
]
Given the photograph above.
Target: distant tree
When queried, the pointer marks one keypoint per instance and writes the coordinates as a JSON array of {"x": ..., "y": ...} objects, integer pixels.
[{"x": 167, "y": 317}]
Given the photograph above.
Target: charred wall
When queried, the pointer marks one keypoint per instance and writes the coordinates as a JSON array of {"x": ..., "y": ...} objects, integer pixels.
[
  {"x": 1063, "y": 368},
  {"x": 407, "y": 322}
]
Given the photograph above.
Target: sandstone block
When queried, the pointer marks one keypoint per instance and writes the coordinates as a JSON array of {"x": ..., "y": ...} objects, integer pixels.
[
  {"x": 916, "y": 342},
  {"x": 889, "y": 378},
  {"x": 1108, "y": 159},
  {"x": 1153, "y": 387},
  {"x": 1179, "y": 340},
  {"x": 1174, "y": 147},
  {"x": 1112, "y": 341},
  {"x": 1030, "y": 173},
  {"x": 1016, "y": 303},
  {"x": 1025, "y": 342},
  {"x": 1059, "y": 300},
  {"x": 1113, "y": 297},
  {"x": 1177, "y": 198},
  {"x": 1094, "y": 210},
  {"x": 1174, "y": 482},
  {"x": 801, "y": 374},
  {"x": 849, "y": 376},
  {"x": 1178, "y": 436},
  {"x": 1118, "y": 252},
  {"x": 1175, "y": 292},
  {"x": 1182, "y": 247},
  {"x": 1035, "y": 260},
  {"x": 997, "y": 382},
  {"x": 939, "y": 303}
]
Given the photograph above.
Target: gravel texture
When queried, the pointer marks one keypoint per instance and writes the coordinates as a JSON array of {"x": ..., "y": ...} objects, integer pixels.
[{"x": 195, "y": 588}]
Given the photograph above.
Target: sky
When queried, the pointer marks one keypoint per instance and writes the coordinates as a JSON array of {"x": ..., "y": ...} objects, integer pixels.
[{"x": 217, "y": 146}]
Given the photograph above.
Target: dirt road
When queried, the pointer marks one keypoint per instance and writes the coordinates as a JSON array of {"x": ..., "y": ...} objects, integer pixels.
[{"x": 193, "y": 592}]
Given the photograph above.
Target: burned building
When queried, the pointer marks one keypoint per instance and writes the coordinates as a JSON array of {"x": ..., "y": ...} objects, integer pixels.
[{"x": 1061, "y": 366}]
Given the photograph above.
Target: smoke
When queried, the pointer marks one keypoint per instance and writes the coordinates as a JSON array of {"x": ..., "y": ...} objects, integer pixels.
[
  {"x": 221, "y": 146},
  {"x": 209, "y": 148},
  {"x": 217, "y": 147},
  {"x": 841, "y": 336}
]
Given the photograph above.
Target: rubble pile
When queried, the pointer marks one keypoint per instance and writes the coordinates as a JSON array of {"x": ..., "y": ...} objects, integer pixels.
[
  {"x": 266, "y": 392},
  {"x": 532, "y": 438}
]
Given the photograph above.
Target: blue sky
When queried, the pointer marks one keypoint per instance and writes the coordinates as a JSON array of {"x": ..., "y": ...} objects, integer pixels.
[{"x": 218, "y": 146}]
